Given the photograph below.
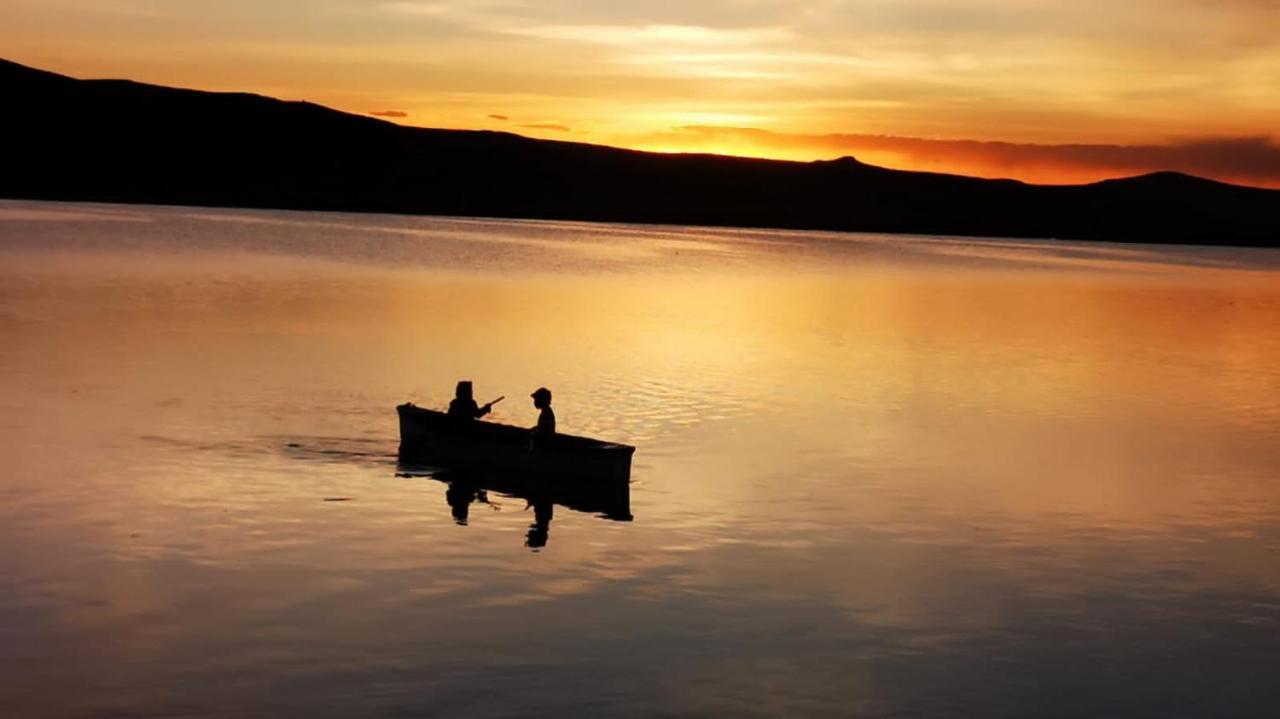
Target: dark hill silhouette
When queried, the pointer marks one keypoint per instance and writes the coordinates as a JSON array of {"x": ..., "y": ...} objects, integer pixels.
[{"x": 121, "y": 141}]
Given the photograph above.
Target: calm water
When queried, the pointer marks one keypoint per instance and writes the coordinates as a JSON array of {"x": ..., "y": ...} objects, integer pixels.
[{"x": 876, "y": 476}]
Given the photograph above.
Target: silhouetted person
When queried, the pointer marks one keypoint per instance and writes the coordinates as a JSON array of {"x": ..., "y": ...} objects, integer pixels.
[
  {"x": 464, "y": 405},
  {"x": 545, "y": 430}
]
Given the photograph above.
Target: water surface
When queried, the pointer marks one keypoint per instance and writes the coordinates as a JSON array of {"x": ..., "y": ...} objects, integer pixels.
[{"x": 876, "y": 476}]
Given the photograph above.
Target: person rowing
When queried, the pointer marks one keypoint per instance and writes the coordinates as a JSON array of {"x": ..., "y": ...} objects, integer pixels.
[{"x": 463, "y": 405}]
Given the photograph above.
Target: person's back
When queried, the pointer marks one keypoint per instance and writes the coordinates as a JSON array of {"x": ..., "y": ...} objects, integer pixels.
[
  {"x": 461, "y": 408},
  {"x": 546, "y": 422},
  {"x": 463, "y": 405}
]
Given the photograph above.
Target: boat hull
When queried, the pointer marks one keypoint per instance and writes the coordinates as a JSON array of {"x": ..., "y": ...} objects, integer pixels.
[{"x": 428, "y": 436}]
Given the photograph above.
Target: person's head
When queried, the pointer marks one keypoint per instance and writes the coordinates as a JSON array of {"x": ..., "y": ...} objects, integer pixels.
[
  {"x": 464, "y": 390},
  {"x": 541, "y": 397},
  {"x": 536, "y": 537}
]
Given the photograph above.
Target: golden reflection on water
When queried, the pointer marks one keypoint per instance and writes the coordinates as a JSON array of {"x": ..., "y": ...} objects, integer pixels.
[
  {"x": 923, "y": 443},
  {"x": 976, "y": 354}
]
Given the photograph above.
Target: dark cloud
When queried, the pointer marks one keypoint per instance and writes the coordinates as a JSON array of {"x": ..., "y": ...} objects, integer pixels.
[
  {"x": 548, "y": 126},
  {"x": 389, "y": 113},
  {"x": 1246, "y": 160},
  {"x": 502, "y": 118}
]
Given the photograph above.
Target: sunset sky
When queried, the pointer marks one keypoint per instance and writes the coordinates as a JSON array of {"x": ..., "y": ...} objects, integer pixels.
[{"x": 1041, "y": 90}]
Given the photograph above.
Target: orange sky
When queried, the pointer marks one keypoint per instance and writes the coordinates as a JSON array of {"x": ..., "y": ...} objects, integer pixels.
[{"x": 1047, "y": 91}]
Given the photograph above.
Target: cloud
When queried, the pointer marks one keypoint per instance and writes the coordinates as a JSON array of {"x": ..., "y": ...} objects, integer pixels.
[
  {"x": 548, "y": 126},
  {"x": 727, "y": 14},
  {"x": 1025, "y": 71},
  {"x": 651, "y": 35},
  {"x": 1246, "y": 160},
  {"x": 389, "y": 113}
]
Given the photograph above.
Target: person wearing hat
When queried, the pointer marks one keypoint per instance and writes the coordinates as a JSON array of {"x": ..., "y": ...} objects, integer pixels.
[
  {"x": 463, "y": 405},
  {"x": 546, "y": 427}
]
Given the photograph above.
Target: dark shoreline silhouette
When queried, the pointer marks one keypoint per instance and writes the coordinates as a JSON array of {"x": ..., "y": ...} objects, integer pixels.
[{"x": 122, "y": 141}]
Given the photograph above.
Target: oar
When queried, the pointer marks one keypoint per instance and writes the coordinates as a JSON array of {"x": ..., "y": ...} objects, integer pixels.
[{"x": 491, "y": 404}]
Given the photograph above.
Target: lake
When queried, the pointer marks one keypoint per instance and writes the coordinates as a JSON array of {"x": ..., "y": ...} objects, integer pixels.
[{"x": 875, "y": 475}]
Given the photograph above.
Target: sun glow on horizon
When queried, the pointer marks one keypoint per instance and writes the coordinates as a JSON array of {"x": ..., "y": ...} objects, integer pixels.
[{"x": 1038, "y": 90}]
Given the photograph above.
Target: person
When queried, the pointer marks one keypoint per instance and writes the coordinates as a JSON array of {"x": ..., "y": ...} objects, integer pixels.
[
  {"x": 546, "y": 427},
  {"x": 463, "y": 405}
]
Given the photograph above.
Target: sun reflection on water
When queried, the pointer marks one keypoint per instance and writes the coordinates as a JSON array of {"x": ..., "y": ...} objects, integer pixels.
[{"x": 878, "y": 454}]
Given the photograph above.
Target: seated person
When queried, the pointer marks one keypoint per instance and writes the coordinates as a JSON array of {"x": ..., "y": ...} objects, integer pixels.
[{"x": 464, "y": 405}]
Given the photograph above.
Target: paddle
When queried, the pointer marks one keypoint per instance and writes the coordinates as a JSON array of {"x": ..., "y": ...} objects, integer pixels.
[{"x": 491, "y": 404}]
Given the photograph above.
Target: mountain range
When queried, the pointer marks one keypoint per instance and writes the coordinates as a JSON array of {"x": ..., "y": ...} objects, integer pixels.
[{"x": 121, "y": 141}]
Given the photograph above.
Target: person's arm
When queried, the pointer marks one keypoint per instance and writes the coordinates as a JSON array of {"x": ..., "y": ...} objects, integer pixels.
[{"x": 484, "y": 410}]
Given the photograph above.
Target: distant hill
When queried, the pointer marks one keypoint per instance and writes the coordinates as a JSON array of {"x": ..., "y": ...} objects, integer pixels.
[{"x": 121, "y": 141}]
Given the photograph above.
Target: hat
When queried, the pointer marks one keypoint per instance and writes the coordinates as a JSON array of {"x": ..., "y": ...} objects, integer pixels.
[{"x": 541, "y": 392}]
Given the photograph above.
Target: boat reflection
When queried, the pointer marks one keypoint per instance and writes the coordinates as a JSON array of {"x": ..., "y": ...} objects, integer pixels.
[{"x": 608, "y": 499}]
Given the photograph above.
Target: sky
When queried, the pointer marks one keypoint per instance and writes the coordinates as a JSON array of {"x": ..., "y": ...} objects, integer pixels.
[{"x": 1039, "y": 90}]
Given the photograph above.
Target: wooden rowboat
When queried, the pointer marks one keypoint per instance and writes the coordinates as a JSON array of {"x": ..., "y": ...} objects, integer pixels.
[{"x": 433, "y": 437}]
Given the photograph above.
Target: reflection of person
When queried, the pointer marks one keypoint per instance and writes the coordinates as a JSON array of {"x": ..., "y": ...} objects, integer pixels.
[
  {"x": 460, "y": 495},
  {"x": 464, "y": 404},
  {"x": 546, "y": 427},
  {"x": 543, "y": 510}
]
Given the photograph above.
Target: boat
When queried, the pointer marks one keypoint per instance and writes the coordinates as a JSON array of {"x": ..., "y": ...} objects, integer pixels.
[{"x": 432, "y": 437}]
